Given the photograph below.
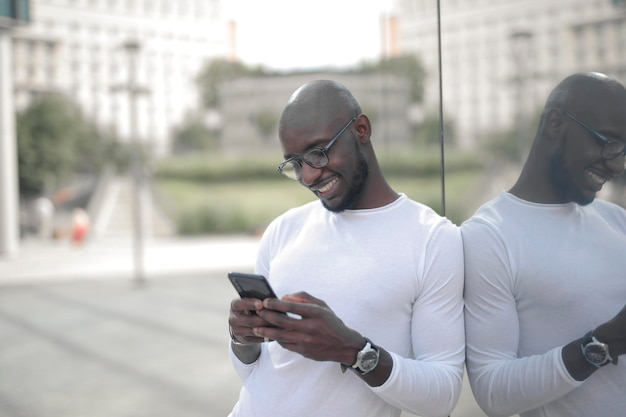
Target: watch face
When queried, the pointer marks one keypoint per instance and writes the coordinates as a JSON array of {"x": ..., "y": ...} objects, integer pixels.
[
  {"x": 369, "y": 360},
  {"x": 596, "y": 353}
]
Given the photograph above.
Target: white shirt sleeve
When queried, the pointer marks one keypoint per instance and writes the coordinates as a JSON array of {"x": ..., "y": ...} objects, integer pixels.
[
  {"x": 430, "y": 384},
  {"x": 503, "y": 383}
]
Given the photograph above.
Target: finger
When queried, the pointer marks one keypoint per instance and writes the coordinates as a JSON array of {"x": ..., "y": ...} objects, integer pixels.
[
  {"x": 298, "y": 308},
  {"x": 303, "y": 297},
  {"x": 238, "y": 319},
  {"x": 246, "y": 304},
  {"x": 246, "y": 335},
  {"x": 296, "y": 298},
  {"x": 267, "y": 334},
  {"x": 278, "y": 319}
]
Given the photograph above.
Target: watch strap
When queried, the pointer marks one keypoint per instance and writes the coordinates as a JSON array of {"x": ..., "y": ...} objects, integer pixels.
[
  {"x": 345, "y": 367},
  {"x": 355, "y": 366},
  {"x": 367, "y": 346}
]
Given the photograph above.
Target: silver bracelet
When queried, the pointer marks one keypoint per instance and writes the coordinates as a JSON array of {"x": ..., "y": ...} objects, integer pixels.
[{"x": 233, "y": 339}]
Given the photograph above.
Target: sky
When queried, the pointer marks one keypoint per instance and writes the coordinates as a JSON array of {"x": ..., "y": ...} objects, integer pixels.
[{"x": 299, "y": 34}]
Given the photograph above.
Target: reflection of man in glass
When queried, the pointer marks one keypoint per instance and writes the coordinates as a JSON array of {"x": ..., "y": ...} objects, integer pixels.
[
  {"x": 373, "y": 280},
  {"x": 545, "y": 267}
]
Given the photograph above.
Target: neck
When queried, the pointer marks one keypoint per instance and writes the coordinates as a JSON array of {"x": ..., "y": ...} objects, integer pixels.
[
  {"x": 534, "y": 184},
  {"x": 379, "y": 193}
]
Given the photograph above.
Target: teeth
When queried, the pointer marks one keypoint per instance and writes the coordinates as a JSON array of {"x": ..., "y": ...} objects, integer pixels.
[
  {"x": 596, "y": 178},
  {"x": 328, "y": 186}
]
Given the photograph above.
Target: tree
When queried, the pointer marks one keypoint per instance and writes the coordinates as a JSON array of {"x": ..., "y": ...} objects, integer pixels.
[
  {"x": 193, "y": 135},
  {"x": 266, "y": 121},
  {"x": 55, "y": 143},
  {"x": 217, "y": 71},
  {"x": 428, "y": 132},
  {"x": 408, "y": 66}
]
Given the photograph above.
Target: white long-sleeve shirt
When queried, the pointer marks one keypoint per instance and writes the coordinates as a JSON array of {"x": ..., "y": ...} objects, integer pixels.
[
  {"x": 394, "y": 274},
  {"x": 537, "y": 277}
]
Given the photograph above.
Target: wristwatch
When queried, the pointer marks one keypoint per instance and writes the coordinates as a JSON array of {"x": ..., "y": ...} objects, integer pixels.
[
  {"x": 366, "y": 359},
  {"x": 596, "y": 352}
]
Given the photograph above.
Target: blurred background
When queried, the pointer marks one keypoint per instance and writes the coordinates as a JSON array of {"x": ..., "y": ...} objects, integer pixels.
[{"x": 138, "y": 140}]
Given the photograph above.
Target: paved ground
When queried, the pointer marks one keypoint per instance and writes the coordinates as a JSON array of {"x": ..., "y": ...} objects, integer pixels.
[{"x": 81, "y": 338}]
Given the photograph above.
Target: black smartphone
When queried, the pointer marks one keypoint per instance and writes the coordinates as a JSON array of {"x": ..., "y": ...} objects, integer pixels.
[{"x": 251, "y": 285}]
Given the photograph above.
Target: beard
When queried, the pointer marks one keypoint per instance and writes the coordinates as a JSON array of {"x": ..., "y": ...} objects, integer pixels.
[
  {"x": 356, "y": 188},
  {"x": 563, "y": 184}
]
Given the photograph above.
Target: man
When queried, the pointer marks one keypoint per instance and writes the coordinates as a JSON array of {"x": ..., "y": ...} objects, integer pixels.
[
  {"x": 372, "y": 282},
  {"x": 545, "y": 267}
]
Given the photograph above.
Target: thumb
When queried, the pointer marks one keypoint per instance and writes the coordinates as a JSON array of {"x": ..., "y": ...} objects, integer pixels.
[{"x": 304, "y": 298}]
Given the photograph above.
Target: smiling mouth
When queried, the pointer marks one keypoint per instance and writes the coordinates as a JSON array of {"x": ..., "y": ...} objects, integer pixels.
[
  {"x": 597, "y": 179},
  {"x": 327, "y": 187}
]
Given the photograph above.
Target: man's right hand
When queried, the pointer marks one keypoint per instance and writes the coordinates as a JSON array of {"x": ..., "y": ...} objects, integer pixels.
[{"x": 242, "y": 320}]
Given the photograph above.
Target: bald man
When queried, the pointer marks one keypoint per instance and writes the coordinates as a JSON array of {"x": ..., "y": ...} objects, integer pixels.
[
  {"x": 545, "y": 266},
  {"x": 372, "y": 283}
]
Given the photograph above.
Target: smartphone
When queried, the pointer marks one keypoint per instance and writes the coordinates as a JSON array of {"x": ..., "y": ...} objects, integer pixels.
[{"x": 251, "y": 285}]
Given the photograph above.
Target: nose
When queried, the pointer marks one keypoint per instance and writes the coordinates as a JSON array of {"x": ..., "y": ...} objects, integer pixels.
[{"x": 309, "y": 174}]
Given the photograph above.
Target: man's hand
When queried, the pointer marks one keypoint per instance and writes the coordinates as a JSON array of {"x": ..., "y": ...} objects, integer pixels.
[
  {"x": 244, "y": 317},
  {"x": 317, "y": 334}
]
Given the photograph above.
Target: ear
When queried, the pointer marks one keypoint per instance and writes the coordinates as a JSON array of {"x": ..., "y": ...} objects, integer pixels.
[
  {"x": 555, "y": 121},
  {"x": 363, "y": 129}
]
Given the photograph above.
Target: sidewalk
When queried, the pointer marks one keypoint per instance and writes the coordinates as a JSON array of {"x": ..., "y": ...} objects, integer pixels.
[
  {"x": 81, "y": 339},
  {"x": 113, "y": 257}
]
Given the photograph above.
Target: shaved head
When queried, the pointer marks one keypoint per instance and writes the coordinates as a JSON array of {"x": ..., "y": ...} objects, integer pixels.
[
  {"x": 566, "y": 163},
  {"x": 319, "y": 102},
  {"x": 581, "y": 89}
]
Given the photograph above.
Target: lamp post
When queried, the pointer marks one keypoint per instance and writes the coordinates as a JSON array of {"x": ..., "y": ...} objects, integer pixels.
[
  {"x": 522, "y": 50},
  {"x": 9, "y": 217},
  {"x": 134, "y": 91}
]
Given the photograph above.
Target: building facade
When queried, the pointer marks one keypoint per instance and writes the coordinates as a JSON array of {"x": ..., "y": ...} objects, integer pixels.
[
  {"x": 500, "y": 58},
  {"x": 92, "y": 49},
  {"x": 385, "y": 99}
]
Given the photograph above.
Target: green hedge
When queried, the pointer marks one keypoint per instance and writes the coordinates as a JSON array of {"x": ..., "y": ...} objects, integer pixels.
[
  {"x": 210, "y": 168},
  {"x": 208, "y": 194},
  {"x": 426, "y": 163}
]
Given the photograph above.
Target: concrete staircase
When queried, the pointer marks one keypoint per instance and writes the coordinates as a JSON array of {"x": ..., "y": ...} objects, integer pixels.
[{"x": 112, "y": 210}]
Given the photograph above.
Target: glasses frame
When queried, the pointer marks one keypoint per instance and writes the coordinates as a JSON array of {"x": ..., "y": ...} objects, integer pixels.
[
  {"x": 297, "y": 159},
  {"x": 603, "y": 139}
]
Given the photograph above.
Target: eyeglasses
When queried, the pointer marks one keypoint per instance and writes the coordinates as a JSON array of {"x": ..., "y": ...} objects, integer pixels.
[
  {"x": 315, "y": 157},
  {"x": 611, "y": 147}
]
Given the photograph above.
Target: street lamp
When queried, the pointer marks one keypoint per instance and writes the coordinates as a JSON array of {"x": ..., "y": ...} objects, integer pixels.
[
  {"x": 522, "y": 49},
  {"x": 134, "y": 91},
  {"x": 9, "y": 218}
]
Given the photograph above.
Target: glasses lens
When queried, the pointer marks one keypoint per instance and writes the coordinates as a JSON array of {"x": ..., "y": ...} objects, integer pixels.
[
  {"x": 290, "y": 169},
  {"x": 613, "y": 149},
  {"x": 316, "y": 157}
]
